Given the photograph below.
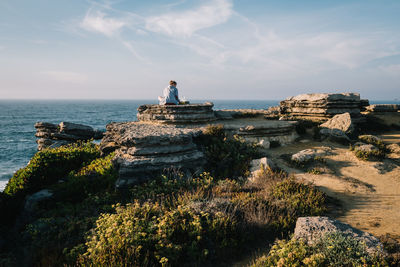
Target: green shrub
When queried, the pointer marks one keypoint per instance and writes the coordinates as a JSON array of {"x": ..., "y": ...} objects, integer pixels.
[
  {"x": 150, "y": 235},
  {"x": 333, "y": 249},
  {"x": 48, "y": 166},
  {"x": 373, "y": 140},
  {"x": 98, "y": 176},
  {"x": 226, "y": 156},
  {"x": 293, "y": 199},
  {"x": 369, "y": 155}
]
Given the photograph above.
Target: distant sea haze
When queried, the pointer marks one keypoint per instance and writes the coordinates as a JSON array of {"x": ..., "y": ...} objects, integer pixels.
[{"x": 17, "y": 118}]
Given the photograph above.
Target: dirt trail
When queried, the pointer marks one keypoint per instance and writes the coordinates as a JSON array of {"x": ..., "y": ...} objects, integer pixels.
[{"x": 368, "y": 191}]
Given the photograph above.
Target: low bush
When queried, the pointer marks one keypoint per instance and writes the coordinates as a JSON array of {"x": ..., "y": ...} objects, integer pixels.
[
  {"x": 48, "y": 166},
  {"x": 98, "y": 176},
  {"x": 333, "y": 249},
  {"x": 149, "y": 235},
  {"x": 226, "y": 156}
]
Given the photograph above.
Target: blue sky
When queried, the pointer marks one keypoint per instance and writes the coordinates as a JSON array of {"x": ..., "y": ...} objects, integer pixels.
[{"x": 215, "y": 49}]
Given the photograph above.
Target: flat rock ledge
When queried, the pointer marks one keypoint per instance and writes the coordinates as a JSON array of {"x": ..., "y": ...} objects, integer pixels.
[
  {"x": 320, "y": 107},
  {"x": 190, "y": 113},
  {"x": 383, "y": 108},
  {"x": 145, "y": 150},
  {"x": 311, "y": 229},
  {"x": 53, "y": 135}
]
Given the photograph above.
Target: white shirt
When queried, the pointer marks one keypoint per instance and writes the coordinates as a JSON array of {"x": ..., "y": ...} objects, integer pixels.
[{"x": 171, "y": 95}]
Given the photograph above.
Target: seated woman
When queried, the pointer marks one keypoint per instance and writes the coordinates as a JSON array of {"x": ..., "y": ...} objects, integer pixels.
[{"x": 170, "y": 95}]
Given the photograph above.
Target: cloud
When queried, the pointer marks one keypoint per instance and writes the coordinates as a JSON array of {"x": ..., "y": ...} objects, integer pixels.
[
  {"x": 184, "y": 24},
  {"x": 392, "y": 70},
  {"x": 65, "y": 76},
  {"x": 98, "y": 22},
  {"x": 2, "y": 47}
]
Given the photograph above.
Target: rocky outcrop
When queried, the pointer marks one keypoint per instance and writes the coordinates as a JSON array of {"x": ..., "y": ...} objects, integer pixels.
[
  {"x": 383, "y": 108},
  {"x": 144, "y": 150},
  {"x": 310, "y": 230},
  {"x": 53, "y": 135},
  {"x": 320, "y": 107},
  {"x": 190, "y": 113},
  {"x": 262, "y": 131},
  {"x": 33, "y": 200},
  {"x": 340, "y": 128},
  {"x": 306, "y": 155}
]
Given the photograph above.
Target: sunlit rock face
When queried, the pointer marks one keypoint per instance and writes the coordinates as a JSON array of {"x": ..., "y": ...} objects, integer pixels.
[
  {"x": 321, "y": 107},
  {"x": 53, "y": 135},
  {"x": 145, "y": 150},
  {"x": 190, "y": 113}
]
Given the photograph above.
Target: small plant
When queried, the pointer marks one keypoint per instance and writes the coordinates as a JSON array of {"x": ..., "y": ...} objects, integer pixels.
[
  {"x": 333, "y": 249},
  {"x": 315, "y": 171},
  {"x": 226, "y": 156}
]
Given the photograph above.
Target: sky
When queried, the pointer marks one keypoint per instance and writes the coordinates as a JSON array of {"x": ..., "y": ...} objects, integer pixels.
[{"x": 214, "y": 49}]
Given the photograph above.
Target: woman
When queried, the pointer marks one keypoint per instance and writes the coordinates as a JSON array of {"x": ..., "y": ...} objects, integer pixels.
[{"x": 170, "y": 95}]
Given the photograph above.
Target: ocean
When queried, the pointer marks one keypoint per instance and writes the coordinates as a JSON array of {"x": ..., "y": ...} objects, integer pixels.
[{"x": 17, "y": 119}]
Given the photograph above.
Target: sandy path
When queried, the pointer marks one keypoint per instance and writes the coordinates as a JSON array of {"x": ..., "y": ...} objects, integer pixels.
[{"x": 368, "y": 191}]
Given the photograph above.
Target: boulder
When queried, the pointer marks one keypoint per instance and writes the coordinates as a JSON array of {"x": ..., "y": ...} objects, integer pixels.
[
  {"x": 306, "y": 155},
  {"x": 265, "y": 163},
  {"x": 310, "y": 230},
  {"x": 342, "y": 122},
  {"x": 394, "y": 148}
]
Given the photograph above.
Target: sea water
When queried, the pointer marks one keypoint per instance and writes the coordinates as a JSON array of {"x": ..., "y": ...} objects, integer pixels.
[{"x": 17, "y": 119}]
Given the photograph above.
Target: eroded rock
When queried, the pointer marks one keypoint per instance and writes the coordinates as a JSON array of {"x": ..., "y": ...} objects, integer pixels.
[
  {"x": 306, "y": 155},
  {"x": 310, "y": 230}
]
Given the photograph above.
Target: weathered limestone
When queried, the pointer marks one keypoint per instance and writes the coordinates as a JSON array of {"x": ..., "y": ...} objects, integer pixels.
[
  {"x": 320, "y": 107},
  {"x": 339, "y": 128},
  {"x": 306, "y": 155},
  {"x": 190, "y": 113},
  {"x": 383, "y": 108},
  {"x": 265, "y": 163},
  {"x": 52, "y": 135},
  {"x": 144, "y": 150},
  {"x": 262, "y": 131},
  {"x": 310, "y": 230}
]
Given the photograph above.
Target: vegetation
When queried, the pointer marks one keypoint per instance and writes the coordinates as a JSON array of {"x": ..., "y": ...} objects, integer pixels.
[
  {"x": 48, "y": 166},
  {"x": 373, "y": 154},
  {"x": 333, "y": 249},
  {"x": 226, "y": 157},
  {"x": 167, "y": 221}
]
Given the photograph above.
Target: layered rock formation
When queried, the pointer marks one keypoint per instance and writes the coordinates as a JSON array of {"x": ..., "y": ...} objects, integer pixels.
[
  {"x": 383, "y": 108},
  {"x": 144, "y": 150},
  {"x": 263, "y": 131},
  {"x": 339, "y": 128},
  {"x": 190, "y": 113},
  {"x": 53, "y": 135},
  {"x": 320, "y": 107}
]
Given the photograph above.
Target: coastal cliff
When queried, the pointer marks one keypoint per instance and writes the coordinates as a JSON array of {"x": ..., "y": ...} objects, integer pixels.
[{"x": 159, "y": 193}]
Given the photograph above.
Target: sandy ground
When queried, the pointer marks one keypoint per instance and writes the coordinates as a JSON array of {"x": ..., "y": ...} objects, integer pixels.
[{"x": 368, "y": 192}]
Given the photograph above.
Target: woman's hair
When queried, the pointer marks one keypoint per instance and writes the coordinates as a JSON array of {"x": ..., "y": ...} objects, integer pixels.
[{"x": 171, "y": 82}]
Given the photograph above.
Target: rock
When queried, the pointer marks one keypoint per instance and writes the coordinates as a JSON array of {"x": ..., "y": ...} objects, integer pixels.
[
  {"x": 338, "y": 128},
  {"x": 190, "y": 113},
  {"x": 263, "y": 132},
  {"x": 52, "y": 135},
  {"x": 394, "y": 148},
  {"x": 368, "y": 148},
  {"x": 320, "y": 107},
  {"x": 309, "y": 154},
  {"x": 32, "y": 200},
  {"x": 79, "y": 130},
  {"x": 383, "y": 108},
  {"x": 310, "y": 230},
  {"x": 145, "y": 150},
  {"x": 342, "y": 122},
  {"x": 265, "y": 163}
]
